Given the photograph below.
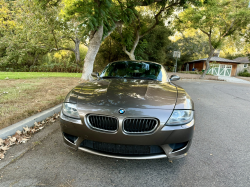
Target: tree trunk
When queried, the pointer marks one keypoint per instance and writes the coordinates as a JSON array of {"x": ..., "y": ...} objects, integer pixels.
[
  {"x": 207, "y": 61},
  {"x": 94, "y": 45},
  {"x": 77, "y": 51},
  {"x": 34, "y": 62},
  {"x": 131, "y": 54}
]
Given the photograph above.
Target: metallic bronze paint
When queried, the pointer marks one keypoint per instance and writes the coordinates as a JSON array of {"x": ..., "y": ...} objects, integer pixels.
[{"x": 139, "y": 98}]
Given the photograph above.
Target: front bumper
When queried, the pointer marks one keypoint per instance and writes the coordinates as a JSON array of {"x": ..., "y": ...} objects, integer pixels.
[{"x": 163, "y": 136}]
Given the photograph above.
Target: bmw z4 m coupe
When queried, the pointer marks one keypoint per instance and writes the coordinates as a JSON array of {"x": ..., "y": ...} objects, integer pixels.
[{"x": 132, "y": 110}]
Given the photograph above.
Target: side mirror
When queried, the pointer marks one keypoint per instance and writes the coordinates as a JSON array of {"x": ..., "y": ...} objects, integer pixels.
[
  {"x": 174, "y": 78},
  {"x": 95, "y": 74}
]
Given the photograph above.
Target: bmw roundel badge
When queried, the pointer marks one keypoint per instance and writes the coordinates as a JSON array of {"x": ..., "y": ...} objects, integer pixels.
[{"x": 121, "y": 111}]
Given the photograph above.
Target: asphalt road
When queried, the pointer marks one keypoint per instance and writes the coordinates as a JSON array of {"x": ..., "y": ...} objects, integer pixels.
[{"x": 219, "y": 155}]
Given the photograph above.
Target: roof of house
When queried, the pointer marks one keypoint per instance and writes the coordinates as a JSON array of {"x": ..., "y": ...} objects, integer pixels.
[
  {"x": 217, "y": 59},
  {"x": 243, "y": 60}
]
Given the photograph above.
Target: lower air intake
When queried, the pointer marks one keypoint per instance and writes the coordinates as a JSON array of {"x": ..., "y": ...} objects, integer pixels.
[{"x": 121, "y": 149}]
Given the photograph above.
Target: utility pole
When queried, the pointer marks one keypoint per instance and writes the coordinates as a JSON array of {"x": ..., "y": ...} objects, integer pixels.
[{"x": 177, "y": 54}]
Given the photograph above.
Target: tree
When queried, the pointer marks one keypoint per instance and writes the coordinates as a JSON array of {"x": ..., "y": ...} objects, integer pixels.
[
  {"x": 192, "y": 44},
  {"x": 21, "y": 39},
  {"x": 246, "y": 34},
  {"x": 99, "y": 19},
  {"x": 102, "y": 17},
  {"x": 7, "y": 24},
  {"x": 132, "y": 33},
  {"x": 67, "y": 32},
  {"x": 155, "y": 46},
  {"x": 28, "y": 32},
  {"x": 217, "y": 20}
]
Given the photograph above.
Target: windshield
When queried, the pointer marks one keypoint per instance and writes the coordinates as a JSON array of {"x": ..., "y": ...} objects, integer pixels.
[{"x": 133, "y": 69}]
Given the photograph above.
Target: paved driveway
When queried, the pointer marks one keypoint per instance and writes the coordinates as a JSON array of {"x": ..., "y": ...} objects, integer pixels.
[
  {"x": 219, "y": 155},
  {"x": 233, "y": 80}
]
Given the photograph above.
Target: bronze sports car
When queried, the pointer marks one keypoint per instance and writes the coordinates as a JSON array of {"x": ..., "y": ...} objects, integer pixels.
[{"x": 131, "y": 110}]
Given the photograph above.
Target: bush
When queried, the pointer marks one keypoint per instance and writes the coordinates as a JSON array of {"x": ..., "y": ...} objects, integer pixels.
[{"x": 244, "y": 73}]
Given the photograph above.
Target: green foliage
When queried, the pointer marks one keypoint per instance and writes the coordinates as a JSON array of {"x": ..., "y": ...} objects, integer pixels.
[
  {"x": 192, "y": 46},
  {"x": 32, "y": 32},
  {"x": 30, "y": 37},
  {"x": 216, "y": 18},
  {"x": 155, "y": 46},
  {"x": 244, "y": 73},
  {"x": 158, "y": 47},
  {"x": 94, "y": 13}
]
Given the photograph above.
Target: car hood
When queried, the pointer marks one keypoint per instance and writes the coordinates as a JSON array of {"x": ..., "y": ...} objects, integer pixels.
[{"x": 128, "y": 93}]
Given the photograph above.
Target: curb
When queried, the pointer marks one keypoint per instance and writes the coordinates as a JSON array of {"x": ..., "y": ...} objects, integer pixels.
[{"x": 11, "y": 130}]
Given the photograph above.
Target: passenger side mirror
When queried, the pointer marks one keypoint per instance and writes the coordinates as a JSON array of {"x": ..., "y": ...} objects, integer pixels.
[
  {"x": 174, "y": 78},
  {"x": 95, "y": 74}
]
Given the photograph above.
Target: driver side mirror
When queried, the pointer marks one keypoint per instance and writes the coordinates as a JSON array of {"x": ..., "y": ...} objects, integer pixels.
[
  {"x": 95, "y": 74},
  {"x": 174, "y": 78}
]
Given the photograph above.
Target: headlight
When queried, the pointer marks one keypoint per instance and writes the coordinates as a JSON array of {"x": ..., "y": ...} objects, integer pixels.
[
  {"x": 70, "y": 110},
  {"x": 180, "y": 117}
]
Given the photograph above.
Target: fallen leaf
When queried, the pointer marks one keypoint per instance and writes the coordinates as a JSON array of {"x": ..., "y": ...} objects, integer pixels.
[
  {"x": 16, "y": 135},
  {"x": 19, "y": 140},
  {"x": 1, "y": 156},
  {"x": 13, "y": 139},
  {"x": 36, "y": 124},
  {"x": 4, "y": 148},
  {"x": 25, "y": 135},
  {"x": 52, "y": 120},
  {"x": 27, "y": 129},
  {"x": 33, "y": 130},
  {"x": 24, "y": 140},
  {"x": 6, "y": 142}
]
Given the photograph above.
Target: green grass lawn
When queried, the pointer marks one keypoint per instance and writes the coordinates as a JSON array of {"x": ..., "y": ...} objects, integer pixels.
[{"x": 28, "y": 75}]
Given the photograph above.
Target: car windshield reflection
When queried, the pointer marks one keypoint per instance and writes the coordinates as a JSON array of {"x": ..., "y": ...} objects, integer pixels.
[{"x": 133, "y": 70}]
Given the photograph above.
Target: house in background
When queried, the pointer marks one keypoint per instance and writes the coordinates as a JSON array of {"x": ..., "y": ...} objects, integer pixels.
[
  {"x": 218, "y": 66},
  {"x": 244, "y": 64}
]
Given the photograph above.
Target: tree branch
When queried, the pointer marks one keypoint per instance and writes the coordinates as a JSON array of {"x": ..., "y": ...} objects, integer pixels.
[
  {"x": 73, "y": 39},
  {"x": 118, "y": 23},
  {"x": 136, "y": 42},
  {"x": 123, "y": 46},
  {"x": 54, "y": 38},
  {"x": 227, "y": 31},
  {"x": 204, "y": 32},
  {"x": 157, "y": 18}
]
